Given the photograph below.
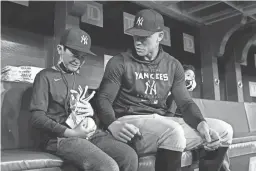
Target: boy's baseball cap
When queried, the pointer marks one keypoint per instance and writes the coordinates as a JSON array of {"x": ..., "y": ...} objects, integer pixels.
[
  {"x": 146, "y": 23},
  {"x": 76, "y": 39}
]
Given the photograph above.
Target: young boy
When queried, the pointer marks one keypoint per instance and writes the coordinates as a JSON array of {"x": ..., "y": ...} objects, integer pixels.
[{"x": 60, "y": 91}]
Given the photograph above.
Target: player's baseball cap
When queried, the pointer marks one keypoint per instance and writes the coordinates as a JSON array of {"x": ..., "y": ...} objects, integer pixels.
[
  {"x": 76, "y": 39},
  {"x": 146, "y": 23}
]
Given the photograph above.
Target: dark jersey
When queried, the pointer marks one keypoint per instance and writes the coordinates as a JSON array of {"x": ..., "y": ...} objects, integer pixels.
[
  {"x": 50, "y": 101},
  {"x": 132, "y": 86}
]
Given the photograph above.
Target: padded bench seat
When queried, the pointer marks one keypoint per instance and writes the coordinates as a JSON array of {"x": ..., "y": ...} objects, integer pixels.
[
  {"x": 16, "y": 160},
  {"x": 13, "y": 160},
  {"x": 147, "y": 163},
  {"x": 242, "y": 146}
]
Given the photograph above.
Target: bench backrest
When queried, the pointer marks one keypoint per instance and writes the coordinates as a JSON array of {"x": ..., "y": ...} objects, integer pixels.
[
  {"x": 242, "y": 120},
  {"x": 16, "y": 131}
]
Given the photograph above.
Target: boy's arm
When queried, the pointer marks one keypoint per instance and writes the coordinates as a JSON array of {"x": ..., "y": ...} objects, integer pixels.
[{"x": 39, "y": 106}]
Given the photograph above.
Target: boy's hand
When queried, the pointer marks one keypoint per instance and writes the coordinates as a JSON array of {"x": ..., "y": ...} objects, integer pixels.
[
  {"x": 84, "y": 109},
  {"x": 82, "y": 105},
  {"x": 81, "y": 131},
  {"x": 82, "y": 94}
]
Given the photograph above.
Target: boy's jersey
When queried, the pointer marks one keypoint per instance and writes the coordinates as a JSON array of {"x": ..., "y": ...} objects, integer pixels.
[{"x": 51, "y": 99}]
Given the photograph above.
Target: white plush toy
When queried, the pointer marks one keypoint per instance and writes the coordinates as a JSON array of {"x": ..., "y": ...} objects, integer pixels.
[
  {"x": 190, "y": 77},
  {"x": 191, "y": 85}
]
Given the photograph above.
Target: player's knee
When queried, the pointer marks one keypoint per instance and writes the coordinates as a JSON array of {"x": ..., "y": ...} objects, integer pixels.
[
  {"x": 178, "y": 134},
  {"x": 227, "y": 130},
  {"x": 174, "y": 139},
  {"x": 224, "y": 129}
]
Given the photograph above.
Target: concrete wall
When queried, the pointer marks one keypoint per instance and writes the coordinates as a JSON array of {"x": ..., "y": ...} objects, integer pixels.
[{"x": 249, "y": 74}]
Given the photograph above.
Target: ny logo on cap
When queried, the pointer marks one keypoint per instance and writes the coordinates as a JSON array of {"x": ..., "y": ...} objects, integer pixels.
[
  {"x": 84, "y": 39},
  {"x": 140, "y": 21}
]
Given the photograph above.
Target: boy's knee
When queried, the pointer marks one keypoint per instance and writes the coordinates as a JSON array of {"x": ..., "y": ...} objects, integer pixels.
[
  {"x": 108, "y": 166},
  {"x": 130, "y": 160}
]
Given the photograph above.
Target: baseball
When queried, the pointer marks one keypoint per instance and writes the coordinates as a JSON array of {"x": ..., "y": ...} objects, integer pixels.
[{"x": 89, "y": 123}]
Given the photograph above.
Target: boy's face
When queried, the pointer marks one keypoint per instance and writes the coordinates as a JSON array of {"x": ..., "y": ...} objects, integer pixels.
[
  {"x": 72, "y": 59},
  {"x": 189, "y": 75}
]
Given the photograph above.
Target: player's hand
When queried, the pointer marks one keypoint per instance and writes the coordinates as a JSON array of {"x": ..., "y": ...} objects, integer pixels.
[
  {"x": 211, "y": 137},
  {"x": 215, "y": 141},
  {"x": 123, "y": 131}
]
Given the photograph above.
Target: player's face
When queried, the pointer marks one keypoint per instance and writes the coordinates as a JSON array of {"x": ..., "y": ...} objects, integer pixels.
[{"x": 146, "y": 45}]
